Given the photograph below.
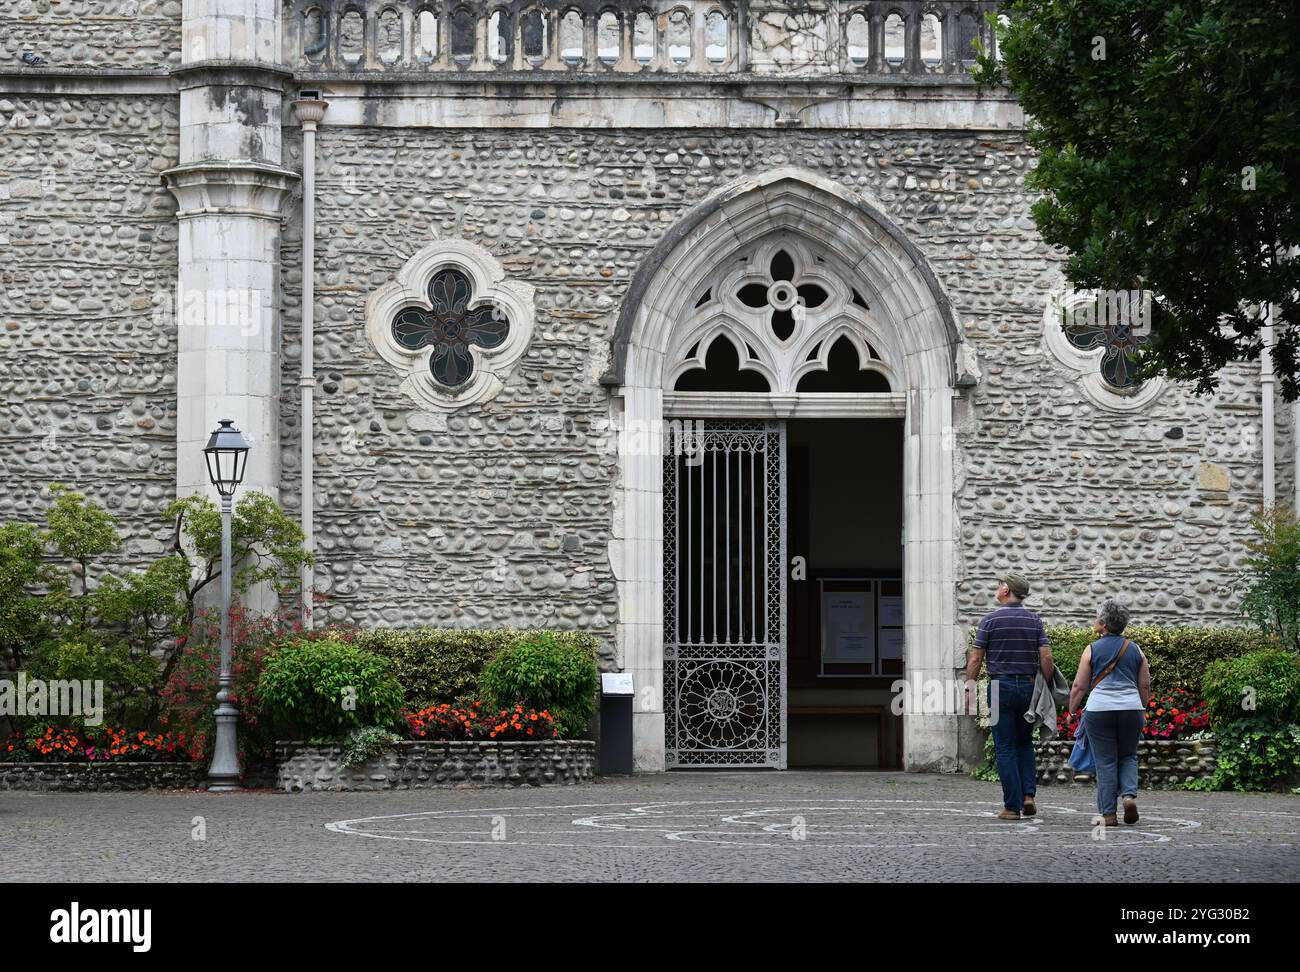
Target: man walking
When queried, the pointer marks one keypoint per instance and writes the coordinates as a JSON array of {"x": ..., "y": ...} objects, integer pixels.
[{"x": 1014, "y": 641}]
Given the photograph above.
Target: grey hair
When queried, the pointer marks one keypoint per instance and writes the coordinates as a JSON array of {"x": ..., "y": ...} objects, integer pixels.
[{"x": 1114, "y": 615}]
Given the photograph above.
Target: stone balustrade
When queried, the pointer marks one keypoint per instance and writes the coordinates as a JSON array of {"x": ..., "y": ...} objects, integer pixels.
[{"x": 897, "y": 40}]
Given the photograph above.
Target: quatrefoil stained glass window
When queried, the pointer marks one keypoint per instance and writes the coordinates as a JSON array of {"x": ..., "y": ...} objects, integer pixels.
[
  {"x": 1094, "y": 325},
  {"x": 452, "y": 327}
]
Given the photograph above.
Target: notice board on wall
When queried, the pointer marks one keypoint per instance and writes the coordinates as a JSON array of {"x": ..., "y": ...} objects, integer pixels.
[
  {"x": 848, "y": 627},
  {"x": 861, "y": 620}
]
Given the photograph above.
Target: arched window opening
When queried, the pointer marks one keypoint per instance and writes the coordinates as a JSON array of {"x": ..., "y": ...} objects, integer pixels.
[
  {"x": 390, "y": 36},
  {"x": 462, "y": 35},
  {"x": 500, "y": 37},
  {"x": 679, "y": 36},
  {"x": 609, "y": 40},
  {"x": 314, "y": 36},
  {"x": 858, "y": 36},
  {"x": 426, "y": 47},
  {"x": 715, "y": 37},
  {"x": 894, "y": 46},
  {"x": 843, "y": 373},
  {"x": 643, "y": 38},
  {"x": 968, "y": 31},
  {"x": 931, "y": 39},
  {"x": 534, "y": 35},
  {"x": 571, "y": 52},
  {"x": 721, "y": 372},
  {"x": 352, "y": 32}
]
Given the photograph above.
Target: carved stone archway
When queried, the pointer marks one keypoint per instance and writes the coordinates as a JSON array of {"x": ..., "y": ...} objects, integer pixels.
[{"x": 924, "y": 351}]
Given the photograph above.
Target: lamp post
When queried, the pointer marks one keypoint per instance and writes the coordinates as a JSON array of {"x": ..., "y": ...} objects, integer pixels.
[{"x": 227, "y": 456}]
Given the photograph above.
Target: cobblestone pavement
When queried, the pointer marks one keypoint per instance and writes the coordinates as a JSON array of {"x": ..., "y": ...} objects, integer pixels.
[{"x": 719, "y": 826}]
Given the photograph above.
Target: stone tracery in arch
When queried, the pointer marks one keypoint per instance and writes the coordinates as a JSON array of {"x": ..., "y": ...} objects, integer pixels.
[
  {"x": 781, "y": 317},
  {"x": 909, "y": 323}
]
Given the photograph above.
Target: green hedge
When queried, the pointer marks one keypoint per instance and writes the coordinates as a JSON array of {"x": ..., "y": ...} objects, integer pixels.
[
  {"x": 1179, "y": 656},
  {"x": 323, "y": 687},
  {"x": 544, "y": 673},
  {"x": 1254, "y": 704},
  {"x": 437, "y": 665},
  {"x": 1264, "y": 686}
]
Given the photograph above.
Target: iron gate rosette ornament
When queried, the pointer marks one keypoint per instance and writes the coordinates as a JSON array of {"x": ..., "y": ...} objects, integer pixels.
[{"x": 452, "y": 324}]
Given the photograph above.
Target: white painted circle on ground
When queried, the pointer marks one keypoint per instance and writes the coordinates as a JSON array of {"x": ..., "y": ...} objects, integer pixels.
[{"x": 893, "y": 823}]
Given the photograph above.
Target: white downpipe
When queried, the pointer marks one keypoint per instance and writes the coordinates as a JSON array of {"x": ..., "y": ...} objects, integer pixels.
[
  {"x": 1269, "y": 430},
  {"x": 309, "y": 112}
]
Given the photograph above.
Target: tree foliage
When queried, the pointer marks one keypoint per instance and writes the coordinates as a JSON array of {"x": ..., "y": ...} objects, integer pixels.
[
  {"x": 1169, "y": 159},
  {"x": 69, "y": 608},
  {"x": 1271, "y": 581},
  {"x": 22, "y": 573},
  {"x": 266, "y": 546}
]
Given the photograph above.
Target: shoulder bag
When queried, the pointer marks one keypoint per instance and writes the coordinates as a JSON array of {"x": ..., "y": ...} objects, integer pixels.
[{"x": 1081, "y": 759}]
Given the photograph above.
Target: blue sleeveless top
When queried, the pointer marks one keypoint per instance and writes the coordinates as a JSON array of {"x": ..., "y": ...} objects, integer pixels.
[{"x": 1119, "y": 689}]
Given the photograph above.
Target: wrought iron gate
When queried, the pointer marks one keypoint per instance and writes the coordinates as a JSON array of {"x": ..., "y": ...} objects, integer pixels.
[{"x": 724, "y": 593}]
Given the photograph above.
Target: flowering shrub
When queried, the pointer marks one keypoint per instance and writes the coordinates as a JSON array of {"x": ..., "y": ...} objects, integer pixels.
[
  {"x": 1176, "y": 715},
  {"x": 97, "y": 744},
  {"x": 446, "y": 722},
  {"x": 545, "y": 672},
  {"x": 187, "y": 698},
  {"x": 322, "y": 687},
  {"x": 1067, "y": 723}
]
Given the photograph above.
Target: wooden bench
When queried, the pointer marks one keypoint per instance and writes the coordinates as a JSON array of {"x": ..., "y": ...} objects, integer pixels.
[{"x": 879, "y": 711}]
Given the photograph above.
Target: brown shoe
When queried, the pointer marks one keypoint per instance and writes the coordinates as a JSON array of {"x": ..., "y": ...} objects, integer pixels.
[
  {"x": 1031, "y": 808},
  {"x": 1111, "y": 820},
  {"x": 1130, "y": 810},
  {"x": 1005, "y": 814}
]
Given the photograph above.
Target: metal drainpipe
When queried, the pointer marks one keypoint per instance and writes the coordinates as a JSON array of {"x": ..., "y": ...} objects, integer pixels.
[
  {"x": 1266, "y": 382},
  {"x": 309, "y": 111}
]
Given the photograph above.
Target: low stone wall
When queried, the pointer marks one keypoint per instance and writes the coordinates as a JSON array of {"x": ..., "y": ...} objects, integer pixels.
[
  {"x": 420, "y": 764},
  {"x": 1162, "y": 763},
  {"x": 90, "y": 777}
]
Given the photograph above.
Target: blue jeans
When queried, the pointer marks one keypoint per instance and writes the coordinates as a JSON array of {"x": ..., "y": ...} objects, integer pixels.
[
  {"x": 1114, "y": 738},
  {"x": 1013, "y": 740}
]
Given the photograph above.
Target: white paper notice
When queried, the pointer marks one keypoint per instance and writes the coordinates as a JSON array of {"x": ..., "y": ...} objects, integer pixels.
[
  {"x": 848, "y": 626},
  {"x": 891, "y": 643},
  {"x": 854, "y": 648},
  {"x": 891, "y": 612},
  {"x": 846, "y": 612}
]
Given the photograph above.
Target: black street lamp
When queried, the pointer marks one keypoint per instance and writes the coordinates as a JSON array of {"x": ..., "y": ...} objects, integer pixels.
[{"x": 227, "y": 456}]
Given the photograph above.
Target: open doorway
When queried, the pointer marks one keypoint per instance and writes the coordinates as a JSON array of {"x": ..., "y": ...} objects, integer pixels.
[{"x": 845, "y": 607}]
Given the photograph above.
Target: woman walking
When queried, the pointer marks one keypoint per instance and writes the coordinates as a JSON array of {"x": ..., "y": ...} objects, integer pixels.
[{"x": 1115, "y": 676}]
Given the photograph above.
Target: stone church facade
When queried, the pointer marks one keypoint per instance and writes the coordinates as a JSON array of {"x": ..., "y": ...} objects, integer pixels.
[{"x": 537, "y": 241}]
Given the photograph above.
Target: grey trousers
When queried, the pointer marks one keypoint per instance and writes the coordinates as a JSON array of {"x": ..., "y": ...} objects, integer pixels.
[{"x": 1114, "y": 738}]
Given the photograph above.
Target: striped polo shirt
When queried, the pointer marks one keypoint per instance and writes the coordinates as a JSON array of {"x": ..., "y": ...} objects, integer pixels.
[{"x": 1012, "y": 636}]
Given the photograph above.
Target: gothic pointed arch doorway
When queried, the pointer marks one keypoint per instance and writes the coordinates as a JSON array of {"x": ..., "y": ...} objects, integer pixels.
[{"x": 784, "y": 299}]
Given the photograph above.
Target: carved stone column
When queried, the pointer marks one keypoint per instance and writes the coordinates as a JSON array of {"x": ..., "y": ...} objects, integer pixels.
[{"x": 230, "y": 187}]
